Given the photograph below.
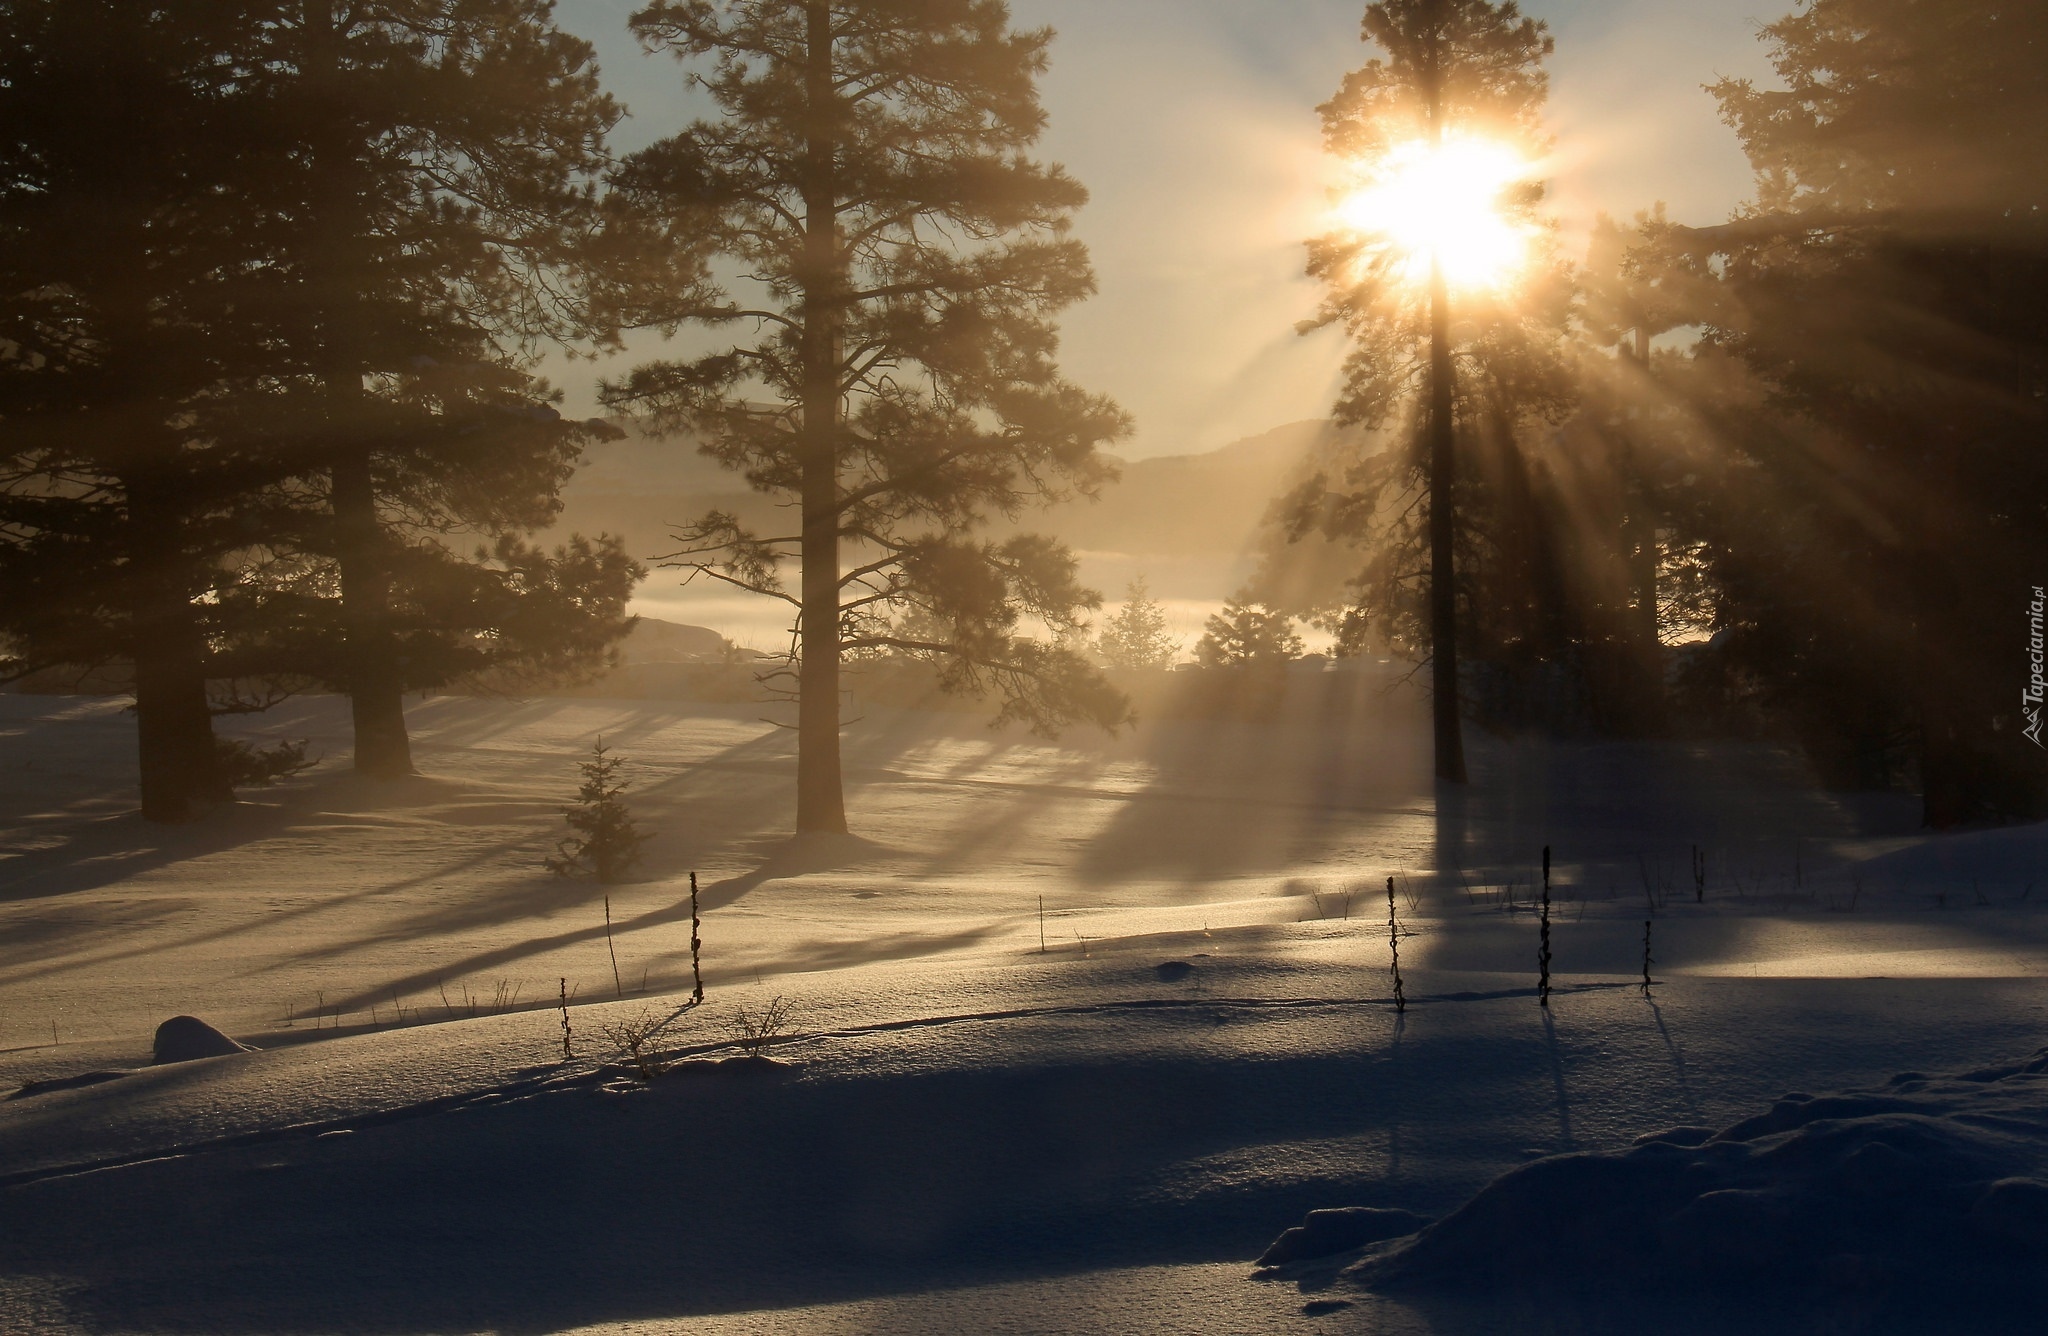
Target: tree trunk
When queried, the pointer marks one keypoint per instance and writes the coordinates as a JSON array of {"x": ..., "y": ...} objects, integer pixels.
[
  {"x": 175, "y": 754},
  {"x": 376, "y": 687},
  {"x": 370, "y": 656},
  {"x": 180, "y": 772},
  {"x": 820, "y": 796},
  {"x": 1443, "y": 469},
  {"x": 1443, "y": 584}
]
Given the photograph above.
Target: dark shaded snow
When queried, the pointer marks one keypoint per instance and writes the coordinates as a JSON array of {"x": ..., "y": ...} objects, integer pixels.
[{"x": 1922, "y": 1202}]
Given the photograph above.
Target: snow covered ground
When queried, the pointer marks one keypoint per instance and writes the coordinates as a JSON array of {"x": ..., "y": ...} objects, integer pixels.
[{"x": 972, "y": 1131}]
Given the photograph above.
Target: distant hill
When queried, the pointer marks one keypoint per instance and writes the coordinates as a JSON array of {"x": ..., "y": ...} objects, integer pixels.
[
  {"x": 1168, "y": 505},
  {"x": 1192, "y": 505},
  {"x": 641, "y": 487},
  {"x": 653, "y": 640}
]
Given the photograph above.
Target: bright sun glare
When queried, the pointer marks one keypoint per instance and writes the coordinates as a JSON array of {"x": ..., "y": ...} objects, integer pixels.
[{"x": 1444, "y": 202}]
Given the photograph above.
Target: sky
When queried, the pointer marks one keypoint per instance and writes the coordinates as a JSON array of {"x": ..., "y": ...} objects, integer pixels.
[{"x": 1192, "y": 123}]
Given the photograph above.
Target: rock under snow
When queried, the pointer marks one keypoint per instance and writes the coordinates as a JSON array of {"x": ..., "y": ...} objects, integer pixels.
[
  {"x": 1327, "y": 1233},
  {"x": 183, "y": 1038}
]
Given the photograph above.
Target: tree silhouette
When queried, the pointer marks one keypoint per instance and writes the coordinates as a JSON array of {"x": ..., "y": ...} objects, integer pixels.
[
  {"x": 868, "y": 167},
  {"x": 270, "y": 271},
  {"x": 603, "y": 843},
  {"x": 1135, "y": 636},
  {"x": 1247, "y": 635},
  {"x": 1452, "y": 72},
  {"x": 1873, "y": 369},
  {"x": 442, "y": 162},
  {"x": 131, "y": 291}
]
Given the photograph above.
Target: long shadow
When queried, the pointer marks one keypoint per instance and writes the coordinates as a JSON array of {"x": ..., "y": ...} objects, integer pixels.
[
  {"x": 739, "y": 794},
  {"x": 978, "y": 843},
  {"x": 324, "y": 802},
  {"x": 795, "y": 857},
  {"x": 1330, "y": 774},
  {"x": 32, "y": 938},
  {"x": 675, "y": 808},
  {"x": 1692, "y": 1104},
  {"x": 1564, "y": 1103},
  {"x": 312, "y": 819},
  {"x": 820, "y": 956},
  {"x": 1617, "y": 813},
  {"x": 1604, "y": 803},
  {"x": 311, "y": 909},
  {"x": 99, "y": 850}
]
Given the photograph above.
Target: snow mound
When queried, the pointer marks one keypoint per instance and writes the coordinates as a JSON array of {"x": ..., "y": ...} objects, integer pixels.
[
  {"x": 1920, "y": 1185},
  {"x": 2008, "y": 856}
]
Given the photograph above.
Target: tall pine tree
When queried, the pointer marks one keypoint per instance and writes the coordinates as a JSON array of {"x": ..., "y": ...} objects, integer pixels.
[
  {"x": 1885, "y": 290},
  {"x": 1441, "y": 129},
  {"x": 270, "y": 271},
  {"x": 868, "y": 165},
  {"x": 445, "y": 218},
  {"x": 133, "y": 292}
]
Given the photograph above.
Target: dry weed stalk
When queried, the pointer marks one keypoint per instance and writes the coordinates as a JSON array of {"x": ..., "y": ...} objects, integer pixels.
[
  {"x": 632, "y": 1041},
  {"x": 758, "y": 1031}
]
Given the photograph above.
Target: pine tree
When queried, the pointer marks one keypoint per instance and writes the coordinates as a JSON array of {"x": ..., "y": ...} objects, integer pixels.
[
  {"x": 131, "y": 293},
  {"x": 445, "y": 218},
  {"x": 1135, "y": 636},
  {"x": 1873, "y": 373},
  {"x": 868, "y": 165},
  {"x": 1247, "y": 635},
  {"x": 1453, "y": 102},
  {"x": 604, "y": 843},
  {"x": 270, "y": 271}
]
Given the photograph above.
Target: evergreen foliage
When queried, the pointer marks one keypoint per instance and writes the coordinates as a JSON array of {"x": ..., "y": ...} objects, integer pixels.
[
  {"x": 270, "y": 275},
  {"x": 132, "y": 291},
  {"x": 1134, "y": 637},
  {"x": 1247, "y": 635},
  {"x": 1864, "y": 488},
  {"x": 441, "y": 215},
  {"x": 1453, "y": 527},
  {"x": 868, "y": 166},
  {"x": 245, "y": 763},
  {"x": 603, "y": 842}
]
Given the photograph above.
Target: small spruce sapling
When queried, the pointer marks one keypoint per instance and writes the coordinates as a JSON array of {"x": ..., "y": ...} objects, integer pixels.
[
  {"x": 1135, "y": 637},
  {"x": 604, "y": 843},
  {"x": 1543, "y": 952}
]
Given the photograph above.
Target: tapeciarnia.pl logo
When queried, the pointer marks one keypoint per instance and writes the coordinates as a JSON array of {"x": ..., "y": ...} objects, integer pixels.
[{"x": 2037, "y": 654}]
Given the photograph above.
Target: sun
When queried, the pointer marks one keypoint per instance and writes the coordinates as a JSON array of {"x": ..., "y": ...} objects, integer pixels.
[{"x": 1419, "y": 204}]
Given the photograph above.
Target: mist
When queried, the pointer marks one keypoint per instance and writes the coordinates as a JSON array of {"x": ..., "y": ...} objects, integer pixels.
[{"x": 1174, "y": 665}]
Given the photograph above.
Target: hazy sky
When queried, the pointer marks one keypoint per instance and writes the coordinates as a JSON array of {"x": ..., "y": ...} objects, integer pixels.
[{"x": 1192, "y": 122}]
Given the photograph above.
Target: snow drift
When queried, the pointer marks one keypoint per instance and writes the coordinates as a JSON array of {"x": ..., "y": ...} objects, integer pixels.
[{"x": 1922, "y": 1187}]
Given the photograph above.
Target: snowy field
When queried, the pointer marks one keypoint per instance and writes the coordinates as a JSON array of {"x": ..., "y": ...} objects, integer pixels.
[{"x": 989, "y": 1118}]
